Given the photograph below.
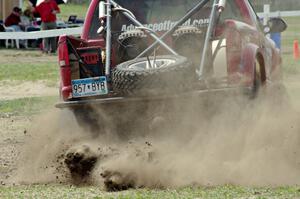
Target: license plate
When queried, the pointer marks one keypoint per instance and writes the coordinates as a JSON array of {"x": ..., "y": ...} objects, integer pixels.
[{"x": 89, "y": 87}]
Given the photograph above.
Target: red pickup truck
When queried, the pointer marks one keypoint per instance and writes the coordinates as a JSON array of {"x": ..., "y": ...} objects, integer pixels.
[{"x": 156, "y": 49}]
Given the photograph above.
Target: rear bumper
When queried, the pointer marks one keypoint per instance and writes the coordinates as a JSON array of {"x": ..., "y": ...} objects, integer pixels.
[{"x": 123, "y": 100}]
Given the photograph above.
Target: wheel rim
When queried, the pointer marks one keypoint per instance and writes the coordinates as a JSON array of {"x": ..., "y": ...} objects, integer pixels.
[{"x": 151, "y": 64}]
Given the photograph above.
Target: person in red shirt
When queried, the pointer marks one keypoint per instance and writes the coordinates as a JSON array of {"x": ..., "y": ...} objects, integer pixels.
[
  {"x": 14, "y": 19},
  {"x": 48, "y": 10}
]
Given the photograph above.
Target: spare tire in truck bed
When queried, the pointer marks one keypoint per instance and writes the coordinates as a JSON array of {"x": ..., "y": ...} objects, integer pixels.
[{"x": 169, "y": 74}]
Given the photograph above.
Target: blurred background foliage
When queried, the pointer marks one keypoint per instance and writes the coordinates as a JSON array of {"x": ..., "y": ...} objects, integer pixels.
[{"x": 276, "y": 4}]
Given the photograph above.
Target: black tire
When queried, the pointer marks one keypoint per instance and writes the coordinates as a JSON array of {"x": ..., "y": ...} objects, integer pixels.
[
  {"x": 257, "y": 82},
  {"x": 177, "y": 76}
]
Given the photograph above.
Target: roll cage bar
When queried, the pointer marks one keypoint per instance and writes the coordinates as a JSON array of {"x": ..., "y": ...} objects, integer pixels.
[{"x": 107, "y": 6}]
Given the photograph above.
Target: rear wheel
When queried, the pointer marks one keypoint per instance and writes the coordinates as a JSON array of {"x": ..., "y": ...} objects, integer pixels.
[{"x": 257, "y": 80}]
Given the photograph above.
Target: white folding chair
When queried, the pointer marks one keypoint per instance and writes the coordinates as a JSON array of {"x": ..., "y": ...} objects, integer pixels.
[{"x": 10, "y": 42}]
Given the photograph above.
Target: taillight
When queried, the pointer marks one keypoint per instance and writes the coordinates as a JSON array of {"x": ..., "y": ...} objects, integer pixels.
[
  {"x": 65, "y": 69},
  {"x": 63, "y": 52}
]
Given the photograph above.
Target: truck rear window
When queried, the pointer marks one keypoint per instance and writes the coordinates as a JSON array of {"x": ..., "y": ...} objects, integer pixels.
[{"x": 159, "y": 15}]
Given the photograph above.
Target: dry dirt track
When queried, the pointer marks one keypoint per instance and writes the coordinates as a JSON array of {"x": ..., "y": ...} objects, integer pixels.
[
  {"x": 14, "y": 130},
  {"x": 15, "y": 90}
]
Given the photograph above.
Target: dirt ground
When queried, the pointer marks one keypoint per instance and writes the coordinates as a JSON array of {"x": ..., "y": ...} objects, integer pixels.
[
  {"x": 15, "y": 90},
  {"x": 34, "y": 56},
  {"x": 259, "y": 147},
  {"x": 14, "y": 129},
  {"x": 121, "y": 165}
]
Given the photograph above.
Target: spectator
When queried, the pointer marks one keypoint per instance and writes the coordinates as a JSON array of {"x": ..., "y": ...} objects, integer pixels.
[
  {"x": 14, "y": 19},
  {"x": 27, "y": 24},
  {"x": 13, "y": 22},
  {"x": 48, "y": 10},
  {"x": 26, "y": 19}
]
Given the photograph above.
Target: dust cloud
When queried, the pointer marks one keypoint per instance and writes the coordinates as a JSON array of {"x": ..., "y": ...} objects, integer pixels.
[
  {"x": 51, "y": 134},
  {"x": 207, "y": 142}
]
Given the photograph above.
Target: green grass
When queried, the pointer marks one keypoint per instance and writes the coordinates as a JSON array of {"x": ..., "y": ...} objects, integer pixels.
[
  {"x": 63, "y": 191},
  {"x": 29, "y": 72},
  {"x": 290, "y": 66},
  {"x": 291, "y": 33},
  {"x": 26, "y": 106},
  {"x": 72, "y": 9}
]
